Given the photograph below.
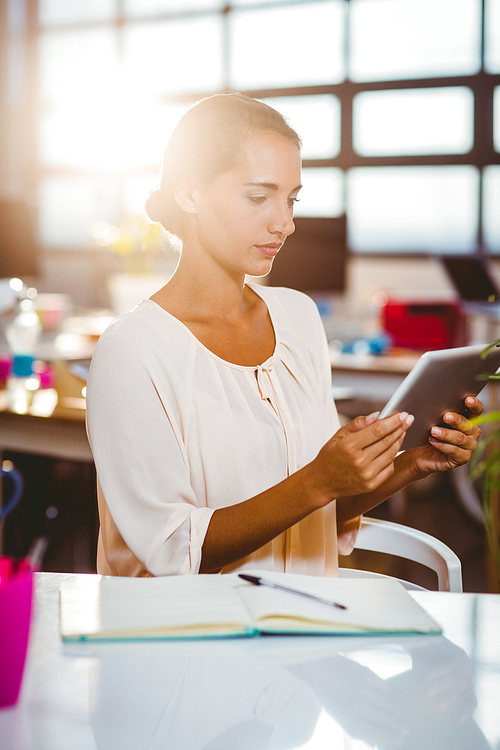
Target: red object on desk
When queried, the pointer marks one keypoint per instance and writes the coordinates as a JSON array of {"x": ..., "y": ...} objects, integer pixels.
[{"x": 424, "y": 325}]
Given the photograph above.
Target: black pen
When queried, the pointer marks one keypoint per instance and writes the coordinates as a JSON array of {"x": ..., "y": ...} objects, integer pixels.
[{"x": 257, "y": 581}]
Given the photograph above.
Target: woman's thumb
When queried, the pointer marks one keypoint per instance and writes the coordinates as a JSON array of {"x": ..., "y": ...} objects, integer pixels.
[{"x": 360, "y": 422}]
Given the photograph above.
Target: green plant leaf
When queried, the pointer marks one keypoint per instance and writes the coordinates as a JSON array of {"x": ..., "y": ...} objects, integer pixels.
[
  {"x": 486, "y": 465},
  {"x": 491, "y": 416},
  {"x": 481, "y": 447},
  {"x": 489, "y": 348}
]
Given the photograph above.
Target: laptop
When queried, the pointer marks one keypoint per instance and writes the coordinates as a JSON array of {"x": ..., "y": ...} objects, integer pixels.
[{"x": 473, "y": 280}]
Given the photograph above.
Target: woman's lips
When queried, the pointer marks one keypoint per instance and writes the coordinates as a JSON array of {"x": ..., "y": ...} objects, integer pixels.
[{"x": 270, "y": 250}]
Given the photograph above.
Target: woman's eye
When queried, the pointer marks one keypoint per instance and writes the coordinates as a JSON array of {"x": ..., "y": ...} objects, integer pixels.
[
  {"x": 258, "y": 199},
  {"x": 291, "y": 201}
]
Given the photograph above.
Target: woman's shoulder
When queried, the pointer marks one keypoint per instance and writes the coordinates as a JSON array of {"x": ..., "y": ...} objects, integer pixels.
[
  {"x": 144, "y": 327},
  {"x": 147, "y": 316},
  {"x": 288, "y": 307},
  {"x": 289, "y": 299}
]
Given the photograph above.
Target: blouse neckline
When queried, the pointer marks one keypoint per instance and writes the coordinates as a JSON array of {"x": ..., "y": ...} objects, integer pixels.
[{"x": 267, "y": 365}]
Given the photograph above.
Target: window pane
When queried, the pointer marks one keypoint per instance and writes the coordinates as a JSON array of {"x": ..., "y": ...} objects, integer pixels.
[
  {"x": 69, "y": 207},
  {"x": 174, "y": 56},
  {"x": 491, "y": 212},
  {"x": 419, "y": 121},
  {"x": 492, "y": 36},
  {"x": 316, "y": 119},
  {"x": 69, "y": 11},
  {"x": 145, "y": 7},
  {"x": 496, "y": 118},
  {"x": 427, "y": 209},
  {"x": 322, "y": 192},
  {"x": 287, "y": 46},
  {"x": 393, "y": 39},
  {"x": 77, "y": 65},
  {"x": 117, "y": 138}
]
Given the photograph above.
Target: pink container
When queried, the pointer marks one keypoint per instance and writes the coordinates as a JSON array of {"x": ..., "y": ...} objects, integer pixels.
[{"x": 16, "y": 595}]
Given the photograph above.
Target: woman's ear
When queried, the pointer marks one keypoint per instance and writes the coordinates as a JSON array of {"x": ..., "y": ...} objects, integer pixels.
[{"x": 186, "y": 196}]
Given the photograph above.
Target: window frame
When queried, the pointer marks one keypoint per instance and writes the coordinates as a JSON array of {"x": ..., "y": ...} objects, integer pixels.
[{"x": 482, "y": 85}]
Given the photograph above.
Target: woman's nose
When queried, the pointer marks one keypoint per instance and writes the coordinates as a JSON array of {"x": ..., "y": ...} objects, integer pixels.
[{"x": 282, "y": 222}]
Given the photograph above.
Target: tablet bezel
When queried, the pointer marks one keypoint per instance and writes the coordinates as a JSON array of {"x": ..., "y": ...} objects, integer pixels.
[{"x": 439, "y": 382}]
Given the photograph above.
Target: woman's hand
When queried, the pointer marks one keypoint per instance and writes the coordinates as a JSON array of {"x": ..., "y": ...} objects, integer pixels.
[
  {"x": 360, "y": 456},
  {"x": 357, "y": 459},
  {"x": 452, "y": 445}
]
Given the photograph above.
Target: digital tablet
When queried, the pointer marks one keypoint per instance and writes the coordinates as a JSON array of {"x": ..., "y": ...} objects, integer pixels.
[{"x": 438, "y": 383}]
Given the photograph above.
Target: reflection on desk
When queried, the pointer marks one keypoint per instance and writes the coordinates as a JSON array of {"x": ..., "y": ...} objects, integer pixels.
[{"x": 276, "y": 692}]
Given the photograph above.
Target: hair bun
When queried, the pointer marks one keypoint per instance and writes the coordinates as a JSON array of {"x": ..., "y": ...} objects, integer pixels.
[{"x": 155, "y": 205}]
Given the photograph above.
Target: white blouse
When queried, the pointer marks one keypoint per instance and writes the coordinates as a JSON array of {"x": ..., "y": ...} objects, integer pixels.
[{"x": 177, "y": 432}]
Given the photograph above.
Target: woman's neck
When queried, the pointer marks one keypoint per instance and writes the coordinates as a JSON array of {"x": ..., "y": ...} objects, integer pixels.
[
  {"x": 226, "y": 316},
  {"x": 203, "y": 291}
]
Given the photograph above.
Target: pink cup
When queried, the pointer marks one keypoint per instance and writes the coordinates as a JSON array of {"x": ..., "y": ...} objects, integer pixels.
[{"x": 15, "y": 614}]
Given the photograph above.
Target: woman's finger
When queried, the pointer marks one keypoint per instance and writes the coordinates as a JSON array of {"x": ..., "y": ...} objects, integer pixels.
[
  {"x": 459, "y": 423},
  {"x": 373, "y": 470},
  {"x": 474, "y": 406},
  {"x": 388, "y": 445},
  {"x": 455, "y": 445},
  {"x": 455, "y": 437},
  {"x": 359, "y": 423},
  {"x": 386, "y": 457},
  {"x": 383, "y": 432}
]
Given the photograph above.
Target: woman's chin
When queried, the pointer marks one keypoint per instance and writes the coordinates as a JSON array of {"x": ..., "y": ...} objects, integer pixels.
[{"x": 260, "y": 270}]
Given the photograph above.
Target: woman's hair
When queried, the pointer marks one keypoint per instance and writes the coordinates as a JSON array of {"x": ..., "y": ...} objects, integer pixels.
[{"x": 207, "y": 142}]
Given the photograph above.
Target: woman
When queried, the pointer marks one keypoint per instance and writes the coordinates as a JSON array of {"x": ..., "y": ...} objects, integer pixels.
[{"x": 215, "y": 437}]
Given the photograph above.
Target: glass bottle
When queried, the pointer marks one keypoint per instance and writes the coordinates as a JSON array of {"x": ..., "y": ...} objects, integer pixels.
[{"x": 23, "y": 334}]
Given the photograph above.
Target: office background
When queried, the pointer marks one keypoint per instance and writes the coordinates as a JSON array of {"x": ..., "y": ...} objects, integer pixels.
[{"x": 397, "y": 102}]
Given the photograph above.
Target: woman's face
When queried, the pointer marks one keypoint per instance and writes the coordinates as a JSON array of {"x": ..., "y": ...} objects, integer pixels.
[{"x": 243, "y": 218}]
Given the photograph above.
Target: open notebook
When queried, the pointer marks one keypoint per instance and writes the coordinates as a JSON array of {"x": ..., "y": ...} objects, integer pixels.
[{"x": 203, "y": 606}]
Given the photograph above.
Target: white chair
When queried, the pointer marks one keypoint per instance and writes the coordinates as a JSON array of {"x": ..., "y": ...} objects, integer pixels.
[{"x": 395, "y": 539}]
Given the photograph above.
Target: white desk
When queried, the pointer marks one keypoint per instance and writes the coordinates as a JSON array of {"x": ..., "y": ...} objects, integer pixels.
[{"x": 251, "y": 694}]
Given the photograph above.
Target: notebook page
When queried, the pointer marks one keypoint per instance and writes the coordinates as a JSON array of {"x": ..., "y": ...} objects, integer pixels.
[
  {"x": 138, "y": 607},
  {"x": 381, "y": 605}
]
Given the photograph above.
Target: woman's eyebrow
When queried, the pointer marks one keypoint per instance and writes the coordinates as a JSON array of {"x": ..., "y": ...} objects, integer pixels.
[{"x": 270, "y": 186}]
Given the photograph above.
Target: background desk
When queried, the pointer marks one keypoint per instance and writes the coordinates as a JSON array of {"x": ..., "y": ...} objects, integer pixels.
[
  {"x": 432, "y": 692},
  {"x": 364, "y": 383},
  {"x": 56, "y": 436},
  {"x": 54, "y": 456}
]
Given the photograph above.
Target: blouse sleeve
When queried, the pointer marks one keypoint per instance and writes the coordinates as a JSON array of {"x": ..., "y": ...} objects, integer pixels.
[{"x": 141, "y": 461}]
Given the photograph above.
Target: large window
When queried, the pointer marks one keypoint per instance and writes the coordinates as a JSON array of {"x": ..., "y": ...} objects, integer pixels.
[{"x": 397, "y": 102}]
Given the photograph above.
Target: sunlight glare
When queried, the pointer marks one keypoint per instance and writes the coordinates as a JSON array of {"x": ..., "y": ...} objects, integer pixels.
[
  {"x": 322, "y": 193},
  {"x": 425, "y": 209},
  {"x": 109, "y": 134},
  {"x": 327, "y": 735},
  {"x": 492, "y": 36},
  {"x": 393, "y": 39},
  {"x": 418, "y": 121},
  {"x": 496, "y": 118},
  {"x": 316, "y": 119},
  {"x": 292, "y": 46}
]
